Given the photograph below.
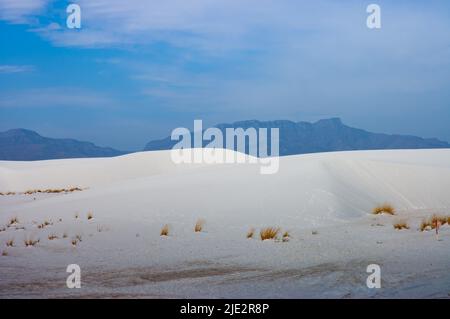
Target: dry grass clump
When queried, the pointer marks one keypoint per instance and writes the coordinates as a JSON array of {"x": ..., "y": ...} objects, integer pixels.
[
  {"x": 385, "y": 208},
  {"x": 13, "y": 221},
  {"x": 164, "y": 230},
  {"x": 10, "y": 243},
  {"x": 90, "y": 215},
  {"x": 269, "y": 233},
  {"x": 76, "y": 240},
  {"x": 199, "y": 225},
  {"x": 4, "y": 253},
  {"x": 8, "y": 193},
  {"x": 401, "y": 225},
  {"x": 31, "y": 242},
  {"x": 286, "y": 236},
  {"x": 434, "y": 221},
  {"x": 52, "y": 237},
  {"x": 251, "y": 233},
  {"x": 44, "y": 224}
]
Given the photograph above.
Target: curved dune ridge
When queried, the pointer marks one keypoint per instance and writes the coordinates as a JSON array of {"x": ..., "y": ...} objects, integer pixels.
[
  {"x": 323, "y": 201},
  {"x": 328, "y": 185}
]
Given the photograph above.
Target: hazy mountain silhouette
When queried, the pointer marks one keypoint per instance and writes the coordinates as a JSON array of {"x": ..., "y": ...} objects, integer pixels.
[
  {"x": 26, "y": 145},
  {"x": 322, "y": 136}
]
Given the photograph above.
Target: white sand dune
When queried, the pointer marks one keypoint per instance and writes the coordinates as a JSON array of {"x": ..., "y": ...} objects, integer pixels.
[{"x": 132, "y": 196}]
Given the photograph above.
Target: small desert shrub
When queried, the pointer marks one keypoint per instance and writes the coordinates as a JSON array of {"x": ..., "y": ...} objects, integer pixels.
[
  {"x": 269, "y": 233},
  {"x": 74, "y": 242},
  {"x": 251, "y": 233},
  {"x": 13, "y": 221},
  {"x": 10, "y": 243},
  {"x": 315, "y": 232},
  {"x": 90, "y": 215},
  {"x": 44, "y": 224},
  {"x": 31, "y": 242},
  {"x": 52, "y": 237},
  {"x": 165, "y": 230},
  {"x": 433, "y": 222},
  {"x": 286, "y": 236},
  {"x": 401, "y": 225},
  {"x": 385, "y": 208},
  {"x": 199, "y": 225},
  {"x": 4, "y": 253}
]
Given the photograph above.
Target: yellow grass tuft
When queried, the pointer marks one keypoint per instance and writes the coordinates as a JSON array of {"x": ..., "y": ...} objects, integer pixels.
[
  {"x": 199, "y": 225},
  {"x": 401, "y": 225},
  {"x": 251, "y": 233},
  {"x": 434, "y": 221},
  {"x": 165, "y": 230},
  {"x": 385, "y": 208},
  {"x": 269, "y": 233}
]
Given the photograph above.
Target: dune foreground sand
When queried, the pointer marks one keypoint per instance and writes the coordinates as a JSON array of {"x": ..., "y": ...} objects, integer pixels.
[{"x": 112, "y": 227}]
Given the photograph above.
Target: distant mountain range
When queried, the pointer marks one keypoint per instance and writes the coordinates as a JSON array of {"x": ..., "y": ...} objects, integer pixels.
[
  {"x": 26, "y": 145},
  {"x": 295, "y": 138},
  {"x": 322, "y": 136}
]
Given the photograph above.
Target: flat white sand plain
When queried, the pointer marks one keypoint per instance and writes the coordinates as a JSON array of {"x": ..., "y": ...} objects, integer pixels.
[{"x": 323, "y": 200}]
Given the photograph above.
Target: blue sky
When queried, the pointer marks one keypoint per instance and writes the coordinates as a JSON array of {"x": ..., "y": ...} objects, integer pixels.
[{"x": 138, "y": 69}]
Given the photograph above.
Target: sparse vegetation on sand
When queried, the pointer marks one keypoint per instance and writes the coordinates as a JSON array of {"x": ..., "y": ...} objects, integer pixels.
[
  {"x": 269, "y": 233},
  {"x": 401, "y": 225},
  {"x": 434, "y": 221},
  {"x": 31, "y": 242},
  {"x": 44, "y": 224},
  {"x": 13, "y": 221},
  {"x": 251, "y": 233},
  {"x": 165, "y": 230},
  {"x": 44, "y": 191},
  {"x": 52, "y": 237},
  {"x": 384, "y": 209},
  {"x": 199, "y": 225}
]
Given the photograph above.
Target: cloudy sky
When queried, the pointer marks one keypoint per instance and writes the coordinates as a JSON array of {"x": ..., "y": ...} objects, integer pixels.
[{"x": 137, "y": 69}]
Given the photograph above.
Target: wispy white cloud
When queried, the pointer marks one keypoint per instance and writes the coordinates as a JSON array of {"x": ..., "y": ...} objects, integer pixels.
[
  {"x": 55, "y": 97},
  {"x": 16, "y": 68},
  {"x": 21, "y": 11}
]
